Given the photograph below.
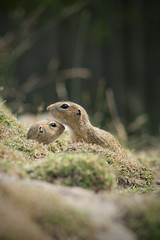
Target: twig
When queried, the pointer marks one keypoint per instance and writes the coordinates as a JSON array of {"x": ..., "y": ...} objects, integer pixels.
[{"x": 114, "y": 114}]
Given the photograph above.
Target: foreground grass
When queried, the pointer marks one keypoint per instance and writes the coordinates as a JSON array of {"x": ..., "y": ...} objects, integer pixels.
[
  {"x": 142, "y": 216},
  {"x": 40, "y": 214},
  {"x": 46, "y": 212}
]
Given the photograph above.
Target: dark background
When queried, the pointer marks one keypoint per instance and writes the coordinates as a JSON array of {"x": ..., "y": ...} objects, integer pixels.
[{"x": 104, "y": 55}]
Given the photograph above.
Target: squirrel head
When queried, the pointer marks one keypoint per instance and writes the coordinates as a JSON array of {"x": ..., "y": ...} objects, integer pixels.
[
  {"x": 45, "y": 131},
  {"x": 68, "y": 113}
]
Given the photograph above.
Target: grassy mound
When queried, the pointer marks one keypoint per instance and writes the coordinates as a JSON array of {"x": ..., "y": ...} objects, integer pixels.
[
  {"x": 17, "y": 154},
  {"x": 65, "y": 163},
  {"x": 130, "y": 173},
  {"x": 12, "y": 161},
  {"x": 13, "y": 135},
  {"x": 83, "y": 170},
  {"x": 42, "y": 213}
]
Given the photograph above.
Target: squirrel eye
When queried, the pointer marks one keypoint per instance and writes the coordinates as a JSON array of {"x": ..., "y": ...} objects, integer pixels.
[
  {"x": 52, "y": 124},
  {"x": 64, "y": 106}
]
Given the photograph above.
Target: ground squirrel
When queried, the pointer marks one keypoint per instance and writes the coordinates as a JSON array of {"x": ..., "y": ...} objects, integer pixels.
[
  {"x": 45, "y": 131},
  {"x": 76, "y": 118}
]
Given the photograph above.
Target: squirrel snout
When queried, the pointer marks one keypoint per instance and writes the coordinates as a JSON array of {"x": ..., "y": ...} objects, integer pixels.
[{"x": 49, "y": 108}]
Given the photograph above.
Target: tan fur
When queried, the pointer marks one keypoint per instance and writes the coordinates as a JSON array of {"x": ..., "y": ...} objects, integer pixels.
[
  {"x": 76, "y": 118},
  {"x": 43, "y": 132}
]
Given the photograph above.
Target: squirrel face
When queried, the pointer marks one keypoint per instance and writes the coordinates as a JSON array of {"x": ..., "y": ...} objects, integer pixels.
[
  {"x": 45, "y": 131},
  {"x": 68, "y": 113}
]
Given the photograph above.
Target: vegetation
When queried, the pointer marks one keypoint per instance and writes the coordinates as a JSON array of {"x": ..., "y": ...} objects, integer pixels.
[
  {"x": 74, "y": 166},
  {"x": 83, "y": 170},
  {"x": 40, "y": 209},
  {"x": 129, "y": 172}
]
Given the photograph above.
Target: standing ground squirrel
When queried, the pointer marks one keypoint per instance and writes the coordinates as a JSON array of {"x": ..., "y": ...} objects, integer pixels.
[
  {"x": 76, "y": 118},
  {"x": 45, "y": 131}
]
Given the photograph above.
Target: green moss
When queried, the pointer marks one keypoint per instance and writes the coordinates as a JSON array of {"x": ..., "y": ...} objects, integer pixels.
[
  {"x": 13, "y": 134},
  {"x": 32, "y": 148},
  {"x": 144, "y": 219},
  {"x": 151, "y": 159},
  {"x": 6, "y": 118},
  {"x": 12, "y": 161},
  {"x": 130, "y": 173},
  {"x": 84, "y": 170}
]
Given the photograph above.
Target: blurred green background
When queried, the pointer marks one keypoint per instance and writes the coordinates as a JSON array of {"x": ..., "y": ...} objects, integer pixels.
[{"x": 101, "y": 54}]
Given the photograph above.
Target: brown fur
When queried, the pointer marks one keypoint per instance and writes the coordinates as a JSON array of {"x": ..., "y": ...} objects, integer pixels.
[
  {"x": 76, "y": 118},
  {"x": 43, "y": 132}
]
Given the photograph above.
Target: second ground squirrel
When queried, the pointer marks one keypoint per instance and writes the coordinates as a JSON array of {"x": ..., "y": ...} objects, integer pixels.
[
  {"x": 45, "y": 131},
  {"x": 76, "y": 118}
]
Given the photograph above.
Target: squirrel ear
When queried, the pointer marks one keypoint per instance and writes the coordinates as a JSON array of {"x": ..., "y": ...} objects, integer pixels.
[{"x": 78, "y": 112}]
